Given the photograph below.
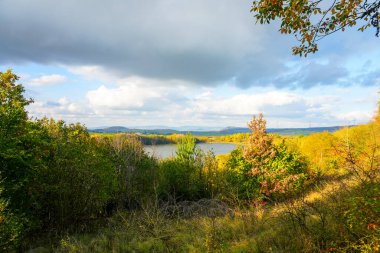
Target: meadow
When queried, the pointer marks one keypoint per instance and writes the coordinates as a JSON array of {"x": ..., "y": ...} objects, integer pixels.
[{"x": 64, "y": 190}]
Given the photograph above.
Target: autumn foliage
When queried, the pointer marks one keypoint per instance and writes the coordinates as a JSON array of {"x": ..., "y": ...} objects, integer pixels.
[
  {"x": 311, "y": 21},
  {"x": 265, "y": 169},
  {"x": 64, "y": 189}
]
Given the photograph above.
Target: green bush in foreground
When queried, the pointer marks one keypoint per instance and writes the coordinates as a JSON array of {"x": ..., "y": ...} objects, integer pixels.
[
  {"x": 191, "y": 175},
  {"x": 53, "y": 176}
]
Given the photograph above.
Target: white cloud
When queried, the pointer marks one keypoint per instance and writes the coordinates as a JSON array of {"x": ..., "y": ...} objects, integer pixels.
[
  {"x": 137, "y": 94},
  {"x": 92, "y": 72},
  {"x": 354, "y": 116},
  {"x": 124, "y": 97},
  {"x": 47, "y": 80},
  {"x": 243, "y": 104},
  {"x": 61, "y": 109},
  {"x": 138, "y": 100}
]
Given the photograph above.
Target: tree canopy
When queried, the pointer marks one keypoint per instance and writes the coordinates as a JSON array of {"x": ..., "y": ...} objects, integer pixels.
[{"x": 310, "y": 21}]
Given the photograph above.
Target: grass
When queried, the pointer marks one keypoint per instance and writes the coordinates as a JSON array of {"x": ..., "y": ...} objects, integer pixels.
[{"x": 309, "y": 223}]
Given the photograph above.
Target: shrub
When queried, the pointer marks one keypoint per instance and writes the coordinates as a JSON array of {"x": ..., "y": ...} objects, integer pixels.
[
  {"x": 319, "y": 149},
  {"x": 191, "y": 175},
  {"x": 11, "y": 228},
  {"x": 78, "y": 178},
  {"x": 136, "y": 172},
  {"x": 265, "y": 169}
]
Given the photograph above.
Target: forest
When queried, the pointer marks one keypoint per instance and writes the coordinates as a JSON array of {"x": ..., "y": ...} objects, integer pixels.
[{"x": 64, "y": 190}]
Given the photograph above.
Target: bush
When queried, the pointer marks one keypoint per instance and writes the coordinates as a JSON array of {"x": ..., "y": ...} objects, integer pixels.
[
  {"x": 78, "y": 178},
  {"x": 243, "y": 185},
  {"x": 191, "y": 175},
  {"x": 136, "y": 172},
  {"x": 11, "y": 228},
  {"x": 319, "y": 149},
  {"x": 263, "y": 169}
]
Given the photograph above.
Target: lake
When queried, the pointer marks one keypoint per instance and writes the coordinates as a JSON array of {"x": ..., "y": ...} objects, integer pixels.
[{"x": 167, "y": 150}]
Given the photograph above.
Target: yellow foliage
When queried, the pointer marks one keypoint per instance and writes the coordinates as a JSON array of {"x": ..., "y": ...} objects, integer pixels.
[{"x": 319, "y": 150}]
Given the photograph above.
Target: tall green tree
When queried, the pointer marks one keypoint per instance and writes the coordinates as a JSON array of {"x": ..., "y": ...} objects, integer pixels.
[
  {"x": 53, "y": 176},
  {"x": 15, "y": 161}
]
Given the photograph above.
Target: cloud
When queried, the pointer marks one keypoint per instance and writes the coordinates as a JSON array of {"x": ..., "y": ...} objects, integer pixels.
[
  {"x": 243, "y": 104},
  {"x": 140, "y": 101},
  {"x": 47, "y": 80},
  {"x": 205, "y": 43},
  {"x": 137, "y": 94},
  {"x": 180, "y": 62},
  {"x": 125, "y": 97},
  {"x": 354, "y": 116},
  {"x": 368, "y": 78},
  {"x": 61, "y": 109},
  {"x": 312, "y": 74}
]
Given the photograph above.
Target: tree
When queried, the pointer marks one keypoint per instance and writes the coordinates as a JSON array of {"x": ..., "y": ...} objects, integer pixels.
[
  {"x": 310, "y": 21},
  {"x": 15, "y": 163},
  {"x": 52, "y": 175},
  {"x": 187, "y": 150},
  {"x": 13, "y": 116},
  {"x": 260, "y": 149},
  {"x": 264, "y": 168}
]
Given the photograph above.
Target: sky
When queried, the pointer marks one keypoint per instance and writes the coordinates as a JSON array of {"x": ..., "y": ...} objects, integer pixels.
[{"x": 179, "y": 63}]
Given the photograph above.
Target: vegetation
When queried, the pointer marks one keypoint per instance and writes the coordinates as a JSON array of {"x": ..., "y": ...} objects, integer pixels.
[
  {"x": 311, "y": 21},
  {"x": 63, "y": 190},
  {"x": 263, "y": 168},
  {"x": 151, "y": 139}
]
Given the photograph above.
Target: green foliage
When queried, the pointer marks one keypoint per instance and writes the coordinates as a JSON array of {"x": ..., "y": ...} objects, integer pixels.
[
  {"x": 136, "y": 172},
  {"x": 56, "y": 178},
  {"x": 186, "y": 150},
  {"x": 191, "y": 175},
  {"x": 78, "y": 178},
  {"x": 11, "y": 227},
  {"x": 178, "y": 176},
  {"x": 287, "y": 172},
  {"x": 52, "y": 175},
  {"x": 17, "y": 159},
  {"x": 12, "y": 105},
  {"x": 363, "y": 209},
  {"x": 263, "y": 168},
  {"x": 238, "y": 176},
  {"x": 149, "y": 139}
]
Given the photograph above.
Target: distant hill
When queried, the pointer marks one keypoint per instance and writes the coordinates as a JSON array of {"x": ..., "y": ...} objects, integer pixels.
[
  {"x": 120, "y": 129},
  {"x": 225, "y": 131}
]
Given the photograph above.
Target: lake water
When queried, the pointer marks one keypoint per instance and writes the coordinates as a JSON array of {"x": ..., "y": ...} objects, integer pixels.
[{"x": 165, "y": 151}]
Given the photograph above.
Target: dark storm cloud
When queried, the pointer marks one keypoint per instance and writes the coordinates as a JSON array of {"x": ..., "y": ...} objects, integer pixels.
[
  {"x": 199, "y": 41},
  {"x": 204, "y": 42}
]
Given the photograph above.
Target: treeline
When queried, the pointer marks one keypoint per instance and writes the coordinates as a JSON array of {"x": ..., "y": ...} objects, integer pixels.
[
  {"x": 158, "y": 139},
  {"x": 57, "y": 179},
  {"x": 151, "y": 139},
  {"x": 238, "y": 138}
]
